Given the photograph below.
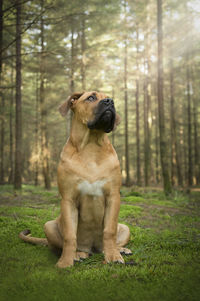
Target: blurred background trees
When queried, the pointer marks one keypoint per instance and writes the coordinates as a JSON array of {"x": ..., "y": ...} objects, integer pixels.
[{"x": 145, "y": 54}]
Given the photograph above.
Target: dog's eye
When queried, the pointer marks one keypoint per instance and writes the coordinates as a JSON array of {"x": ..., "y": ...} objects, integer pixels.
[{"x": 91, "y": 98}]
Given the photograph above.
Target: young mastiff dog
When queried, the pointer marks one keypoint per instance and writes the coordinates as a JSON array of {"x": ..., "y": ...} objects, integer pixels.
[{"x": 89, "y": 181}]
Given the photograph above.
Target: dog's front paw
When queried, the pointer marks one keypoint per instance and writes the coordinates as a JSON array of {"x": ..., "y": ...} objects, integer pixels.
[{"x": 113, "y": 256}]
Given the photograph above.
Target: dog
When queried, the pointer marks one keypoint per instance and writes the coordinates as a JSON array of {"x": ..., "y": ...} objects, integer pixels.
[{"x": 89, "y": 180}]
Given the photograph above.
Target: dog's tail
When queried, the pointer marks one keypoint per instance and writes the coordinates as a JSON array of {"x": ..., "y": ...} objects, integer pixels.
[{"x": 25, "y": 235}]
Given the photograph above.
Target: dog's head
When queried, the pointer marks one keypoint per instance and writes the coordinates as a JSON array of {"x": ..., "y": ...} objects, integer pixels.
[{"x": 93, "y": 109}]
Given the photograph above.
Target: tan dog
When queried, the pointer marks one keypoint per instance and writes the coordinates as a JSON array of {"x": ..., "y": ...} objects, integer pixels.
[{"x": 89, "y": 181}]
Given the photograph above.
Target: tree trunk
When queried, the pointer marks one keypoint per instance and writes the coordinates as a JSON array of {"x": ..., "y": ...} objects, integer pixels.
[
  {"x": 2, "y": 139},
  {"x": 11, "y": 173},
  {"x": 175, "y": 156},
  {"x": 72, "y": 67},
  {"x": 126, "y": 101},
  {"x": 72, "y": 57},
  {"x": 126, "y": 115},
  {"x": 189, "y": 178},
  {"x": 147, "y": 149},
  {"x": 43, "y": 112},
  {"x": 149, "y": 114},
  {"x": 137, "y": 115},
  {"x": 184, "y": 132},
  {"x": 113, "y": 132},
  {"x": 163, "y": 144},
  {"x": 36, "y": 169},
  {"x": 147, "y": 106},
  {"x": 196, "y": 142},
  {"x": 18, "y": 120},
  {"x": 1, "y": 34},
  {"x": 2, "y": 99},
  {"x": 146, "y": 174},
  {"x": 157, "y": 149},
  {"x": 83, "y": 48}
]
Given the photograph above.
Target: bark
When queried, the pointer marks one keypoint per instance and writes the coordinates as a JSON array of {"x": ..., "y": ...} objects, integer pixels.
[
  {"x": 72, "y": 57},
  {"x": 2, "y": 99},
  {"x": 72, "y": 67},
  {"x": 83, "y": 48},
  {"x": 43, "y": 111},
  {"x": 147, "y": 149},
  {"x": 146, "y": 174},
  {"x": 113, "y": 132},
  {"x": 11, "y": 173},
  {"x": 175, "y": 156},
  {"x": 147, "y": 104},
  {"x": 185, "y": 144},
  {"x": 163, "y": 144},
  {"x": 149, "y": 114},
  {"x": 196, "y": 142},
  {"x": 189, "y": 127},
  {"x": 137, "y": 116},
  {"x": 126, "y": 114},
  {"x": 2, "y": 140},
  {"x": 126, "y": 101},
  {"x": 157, "y": 150},
  {"x": 1, "y": 35},
  {"x": 195, "y": 126},
  {"x": 18, "y": 119},
  {"x": 36, "y": 169}
]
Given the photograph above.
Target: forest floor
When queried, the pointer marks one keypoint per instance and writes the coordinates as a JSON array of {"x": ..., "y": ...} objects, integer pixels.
[{"x": 165, "y": 241}]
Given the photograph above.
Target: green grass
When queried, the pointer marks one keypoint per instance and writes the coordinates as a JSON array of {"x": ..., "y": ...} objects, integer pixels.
[{"x": 165, "y": 240}]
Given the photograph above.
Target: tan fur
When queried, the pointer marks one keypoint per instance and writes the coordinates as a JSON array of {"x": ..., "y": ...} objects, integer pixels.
[{"x": 89, "y": 181}]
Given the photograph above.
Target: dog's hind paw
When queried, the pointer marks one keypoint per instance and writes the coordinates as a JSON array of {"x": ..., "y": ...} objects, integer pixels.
[
  {"x": 81, "y": 256},
  {"x": 125, "y": 251}
]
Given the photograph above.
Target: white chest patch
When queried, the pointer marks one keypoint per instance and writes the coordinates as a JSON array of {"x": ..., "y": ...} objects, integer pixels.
[{"x": 94, "y": 189}]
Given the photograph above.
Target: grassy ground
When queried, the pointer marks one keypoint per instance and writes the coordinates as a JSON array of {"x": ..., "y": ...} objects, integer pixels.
[{"x": 165, "y": 240}]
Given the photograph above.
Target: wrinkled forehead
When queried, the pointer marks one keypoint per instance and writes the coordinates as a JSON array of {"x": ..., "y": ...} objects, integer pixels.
[{"x": 99, "y": 95}]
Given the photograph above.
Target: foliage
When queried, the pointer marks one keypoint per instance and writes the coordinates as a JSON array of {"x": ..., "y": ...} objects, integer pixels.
[
  {"x": 99, "y": 30},
  {"x": 165, "y": 241}
]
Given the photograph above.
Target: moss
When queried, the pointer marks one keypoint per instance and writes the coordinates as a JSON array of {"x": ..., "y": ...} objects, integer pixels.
[{"x": 165, "y": 242}]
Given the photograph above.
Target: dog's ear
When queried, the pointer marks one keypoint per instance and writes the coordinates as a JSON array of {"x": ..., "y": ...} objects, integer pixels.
[
  {"x": 64, "y": 107},
  {"x": 117, "y": 121}
]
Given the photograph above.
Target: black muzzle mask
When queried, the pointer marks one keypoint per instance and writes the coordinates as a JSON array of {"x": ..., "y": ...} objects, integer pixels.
[{"x": 104, "y": 116}]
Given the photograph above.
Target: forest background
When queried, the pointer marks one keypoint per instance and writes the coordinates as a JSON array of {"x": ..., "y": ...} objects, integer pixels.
[{"x": 145, "y": 54}]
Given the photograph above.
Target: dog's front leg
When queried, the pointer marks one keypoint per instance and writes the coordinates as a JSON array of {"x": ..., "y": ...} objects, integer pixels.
[
  {"x": 111, "y": 251},
  {"x": 68, "y": 225}
]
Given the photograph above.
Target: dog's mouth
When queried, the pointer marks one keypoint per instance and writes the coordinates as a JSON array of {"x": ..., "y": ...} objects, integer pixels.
[{"x": 104, "y": 116}]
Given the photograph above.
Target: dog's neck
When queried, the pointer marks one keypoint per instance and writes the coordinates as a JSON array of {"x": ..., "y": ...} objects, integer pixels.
[{"x": 81, "y": 135}]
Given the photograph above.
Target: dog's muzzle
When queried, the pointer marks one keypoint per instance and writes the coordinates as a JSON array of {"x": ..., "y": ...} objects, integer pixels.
[{"x": 104, "y": 116}]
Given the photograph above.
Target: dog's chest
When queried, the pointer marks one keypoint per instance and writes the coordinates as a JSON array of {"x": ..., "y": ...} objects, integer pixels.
[
  {"x": 94, "y": 189},
  {"x": 91, "y": 203}
]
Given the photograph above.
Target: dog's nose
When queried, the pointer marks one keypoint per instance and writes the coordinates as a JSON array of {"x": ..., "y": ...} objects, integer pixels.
[{"x": 108, "y": 101}]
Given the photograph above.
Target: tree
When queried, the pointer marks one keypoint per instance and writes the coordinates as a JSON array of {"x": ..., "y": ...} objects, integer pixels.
[
  {"x": 11, "y": 150},
  {"x": 2, "y": 99},
  {"x": 175, "y": 155},
  {"x": 36, "y": 132},
  {"x": 43, "y": 109},
  {"x": 163, "y": 144},
  {"x": 189, "y": 123},
  {"x": 126, "y": 100},
  {"x": 110, "y": 47},
  {"x": 137, "y": 111},
  {"x": 18, "y": 124}
]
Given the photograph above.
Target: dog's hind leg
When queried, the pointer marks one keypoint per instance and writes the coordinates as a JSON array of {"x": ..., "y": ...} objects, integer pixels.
[
  {"x": 55, "y": 240},
  {"x": 53, "y": 235},
  {"x": 123, "y": 236}
]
